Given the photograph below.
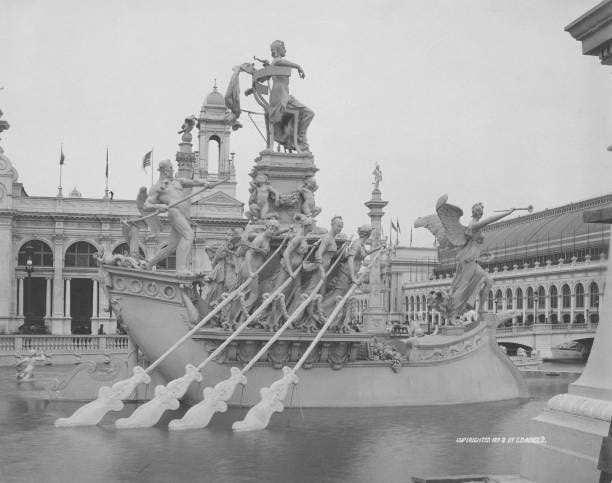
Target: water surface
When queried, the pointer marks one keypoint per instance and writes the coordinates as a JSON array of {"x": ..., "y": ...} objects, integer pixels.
[{"x": 326, "y": 445}]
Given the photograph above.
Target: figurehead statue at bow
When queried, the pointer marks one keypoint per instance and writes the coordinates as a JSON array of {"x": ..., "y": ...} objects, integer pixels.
[{"x": 470, "y": 278}]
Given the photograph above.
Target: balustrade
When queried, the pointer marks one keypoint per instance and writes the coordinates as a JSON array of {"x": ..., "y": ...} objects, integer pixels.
[{"x": 63, "y": 344}]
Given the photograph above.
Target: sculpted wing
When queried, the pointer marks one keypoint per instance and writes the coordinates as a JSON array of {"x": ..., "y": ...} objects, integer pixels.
[
  {"x": 449, "y": 217},
  {"x": 435, "y": 226},
  {"x": 153, "y": 221}
]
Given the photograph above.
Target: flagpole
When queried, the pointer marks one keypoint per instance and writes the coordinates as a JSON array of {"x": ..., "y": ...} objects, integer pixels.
[
  {"x": 151, "y": 166},
  {"x": 59, "y": 188},
  {"x": 106, "y": 174}
]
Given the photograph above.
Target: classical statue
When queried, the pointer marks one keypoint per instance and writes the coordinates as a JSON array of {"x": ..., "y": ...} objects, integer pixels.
[
  {"x": 187, "y": 127},
  {"x": 167, "y": 191},
  {"x": 25, "y": 367},
  {"x": 281, "y": 101},
  {"x": 290, "y": 264},
  {"x": 377, "y": 176},
  {"x": 347, "y": 272},
  {"x": 307, "y": 189},
  {"x": 222, "y": 277},
  {"x": 470, "y": 278},
  {"x": 232, "y": 95},
  {"x": 264, "y": 198},
  {"x": 324, "y": 253},
  {"x": 4, "y": 125},
  {"x": 256, "y": 252}
]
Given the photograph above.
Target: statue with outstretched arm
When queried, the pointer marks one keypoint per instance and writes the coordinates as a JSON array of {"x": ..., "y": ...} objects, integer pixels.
[
  {"x": 163, "y": 197},
  {"x": 470, "y": 278}
]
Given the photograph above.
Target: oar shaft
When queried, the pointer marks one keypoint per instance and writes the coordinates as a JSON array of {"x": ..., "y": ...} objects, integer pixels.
[
  {"x": 216, "y": 310},
  {"x": 296, "y": 313},
  {"x": 328, "y": 322},
  {"x": 243, "y": 326},
  {"x": 182, "y": 200}
]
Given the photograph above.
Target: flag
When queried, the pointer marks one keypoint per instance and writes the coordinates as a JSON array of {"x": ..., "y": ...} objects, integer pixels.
[
  {"x": 62, "y": 157},
  {"x": 146, "y": 161},
  {"x": 393, "y": 227},
  {"x": 106, "y": 172},
  {"x": 397, "y": 225},
  {"x": 410, "y": 236}
]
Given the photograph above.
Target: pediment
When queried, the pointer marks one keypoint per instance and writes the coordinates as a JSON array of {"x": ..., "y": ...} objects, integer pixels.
[{"x": 220, "y": 198}]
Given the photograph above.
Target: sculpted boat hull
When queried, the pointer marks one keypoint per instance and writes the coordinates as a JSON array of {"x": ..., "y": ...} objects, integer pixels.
[{"x": 343, "y": 371}]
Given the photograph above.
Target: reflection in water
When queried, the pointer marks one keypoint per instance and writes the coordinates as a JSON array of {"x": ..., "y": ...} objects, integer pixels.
[{"x": 357, "y": 444}]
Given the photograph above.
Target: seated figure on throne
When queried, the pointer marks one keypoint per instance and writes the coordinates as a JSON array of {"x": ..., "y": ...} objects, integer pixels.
[{"x": 282, "y": 103}]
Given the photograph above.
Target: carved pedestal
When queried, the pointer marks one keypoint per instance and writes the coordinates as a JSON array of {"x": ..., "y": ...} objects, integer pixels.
[
  {"x": 286, "y": 173},
  {"x": 574, "y": 424}
]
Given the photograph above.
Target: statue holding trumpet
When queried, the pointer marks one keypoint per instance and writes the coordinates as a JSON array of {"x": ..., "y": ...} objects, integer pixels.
[{"x": 470, "y": 278}]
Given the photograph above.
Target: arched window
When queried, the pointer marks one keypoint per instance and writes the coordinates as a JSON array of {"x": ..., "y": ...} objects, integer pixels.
[
  {"x": 579, "y": 296},
  {"x": 498, "y": 299},
  {"x": 80, "y": 254},
  {"x": 567, "y": 297},
  {"x": 509, "y": 298},
  {"x": 490, "y": 301},
  {"x": 412, "y": 303},
  {"x": 214, "y": 154},
  {"x": 418, "y": 304},
  {"x": 519, "y": 298},
  {"x": 167, "y": 263},
  {"x": 554, "y": 297},
  {"x": 541, "y": 298},
  {"x": 124, "y": 249},
  {"x": 594, "y": 295},
  {"x": 530, "y": 298},
  {"x": 42, "y": 256}
]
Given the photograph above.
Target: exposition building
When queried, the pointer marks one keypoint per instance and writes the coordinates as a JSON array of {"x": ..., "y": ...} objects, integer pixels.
[
  {"x": 548, "y": 266},
  {"x": 48, "y": 274}
]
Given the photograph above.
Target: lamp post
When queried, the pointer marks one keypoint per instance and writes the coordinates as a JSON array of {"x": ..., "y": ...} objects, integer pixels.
[
  {"x": 29, "y": 268},
  {"x": 535, "y": 307}
]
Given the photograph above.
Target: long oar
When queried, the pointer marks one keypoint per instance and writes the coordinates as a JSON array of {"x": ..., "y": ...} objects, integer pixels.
[
  {"x": 182, "y": 200},
  {"x": 110, "y": 398},
  {"x": 167, "y": 397},
  {"x": 215, "y": 398},
  {"x": 272, "y": 397}
]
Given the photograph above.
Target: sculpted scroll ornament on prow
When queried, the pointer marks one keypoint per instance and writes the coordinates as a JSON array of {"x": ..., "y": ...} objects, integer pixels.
[{"x": 470, "y": 278}]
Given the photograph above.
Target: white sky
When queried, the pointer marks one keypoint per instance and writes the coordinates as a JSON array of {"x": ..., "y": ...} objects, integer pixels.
[{"x": 486, "y": 100}]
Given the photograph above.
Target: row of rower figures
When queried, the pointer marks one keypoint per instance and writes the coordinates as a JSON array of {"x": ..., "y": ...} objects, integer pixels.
[{"x": 303, "y": 258}]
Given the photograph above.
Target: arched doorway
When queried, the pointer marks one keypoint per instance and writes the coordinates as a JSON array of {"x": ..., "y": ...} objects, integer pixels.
[
  {"x": 33, "y": 300},
  {"x": 79, "y": 289}
]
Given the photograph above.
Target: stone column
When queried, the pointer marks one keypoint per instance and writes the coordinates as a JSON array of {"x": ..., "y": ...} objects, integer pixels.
[
  {"x": 20, "y": 308},
  {"x": 547, "y": 305},
  {"x": 67, "y": 291},
  {"x": 524, "y": 298},
  {"x": 48, "y": 298},
  {"x": 58, "y": 318},
  {"x": 375, "y": 316},
  {"x": 572, "y": 303},
  {"x": 94, "y": 299}
]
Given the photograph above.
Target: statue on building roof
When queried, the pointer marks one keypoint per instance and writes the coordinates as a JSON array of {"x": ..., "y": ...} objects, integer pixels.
[
  {"x": 4, "y": 125},
  {"x": 470, "y": 278},
  {"x": 188, "y": 125}
]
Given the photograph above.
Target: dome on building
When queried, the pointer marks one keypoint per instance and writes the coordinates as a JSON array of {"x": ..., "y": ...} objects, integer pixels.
[
  {"x": 215, "y": 98},
  {"x": 75, "y": 193}
]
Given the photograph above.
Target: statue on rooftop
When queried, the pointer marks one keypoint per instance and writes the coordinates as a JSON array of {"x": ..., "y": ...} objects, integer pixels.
[
  {"x": 187, "y": 127},
  {"x": 470, "y": 278}
]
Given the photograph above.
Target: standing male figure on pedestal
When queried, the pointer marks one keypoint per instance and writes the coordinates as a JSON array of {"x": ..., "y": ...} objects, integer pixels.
[{"x": 165, "y": 192}]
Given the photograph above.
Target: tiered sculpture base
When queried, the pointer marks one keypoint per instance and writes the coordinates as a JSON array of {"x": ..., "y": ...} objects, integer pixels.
[{"x": 286, "y": 173}]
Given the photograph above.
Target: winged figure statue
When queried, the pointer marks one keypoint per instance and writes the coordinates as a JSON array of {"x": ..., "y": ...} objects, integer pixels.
[{"x": 470, "y": 278}]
